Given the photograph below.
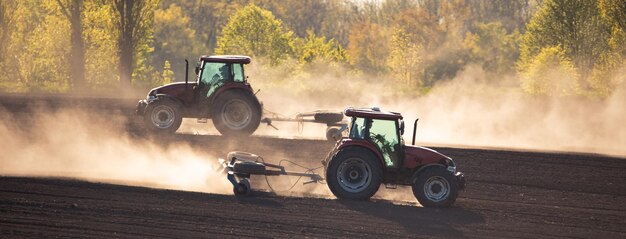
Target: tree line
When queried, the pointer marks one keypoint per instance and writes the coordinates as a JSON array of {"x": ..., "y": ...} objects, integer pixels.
[{"x": 554, "y": 47}]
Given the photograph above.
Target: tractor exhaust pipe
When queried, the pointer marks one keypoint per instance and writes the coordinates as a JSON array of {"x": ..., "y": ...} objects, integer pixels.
[
  {"x": 186, "y": 72},
  {"x": 415, "y": 130}
]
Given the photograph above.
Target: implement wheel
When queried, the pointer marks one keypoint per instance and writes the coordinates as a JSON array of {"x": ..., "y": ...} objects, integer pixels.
[
  {"x": 333, "y": 134},
  {"x": 242, "y": 189}
]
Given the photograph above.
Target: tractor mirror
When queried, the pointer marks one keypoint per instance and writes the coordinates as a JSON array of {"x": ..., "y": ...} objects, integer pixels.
[
  {"x": 401, "y": 127},
  {"x": 197, "y": 70}
]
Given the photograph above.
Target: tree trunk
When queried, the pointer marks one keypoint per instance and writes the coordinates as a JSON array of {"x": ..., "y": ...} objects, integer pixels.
[
  {"x": 77, "y": 53},
  {"x": 125, "y": 43},
  {"x": 78, "y": 48}
]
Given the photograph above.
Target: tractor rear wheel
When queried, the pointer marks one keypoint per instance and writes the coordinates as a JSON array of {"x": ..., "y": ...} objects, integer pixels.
[
  {"x": 354, "y": 173},
  {"x": 236, "y": 113},
  {"x": 162, "y": 116},
  {"x": 435, "y": 187}
]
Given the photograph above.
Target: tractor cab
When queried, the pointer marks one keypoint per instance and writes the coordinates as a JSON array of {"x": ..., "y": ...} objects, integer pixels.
[
  {"x": 382, "y": 131},
  {"x": 214, "y": 72}
]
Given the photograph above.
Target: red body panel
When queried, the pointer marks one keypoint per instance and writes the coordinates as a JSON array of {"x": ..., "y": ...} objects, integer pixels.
[
  {"x": 415, "y": 156},
  {"x": 178, "y": 90},
  {"x": 230, "y": 86}
]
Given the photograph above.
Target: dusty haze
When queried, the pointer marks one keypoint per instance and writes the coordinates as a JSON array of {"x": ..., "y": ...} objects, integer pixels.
[
  {"x": 467, "y": 111},
  {"x": 71, "y": 143}
]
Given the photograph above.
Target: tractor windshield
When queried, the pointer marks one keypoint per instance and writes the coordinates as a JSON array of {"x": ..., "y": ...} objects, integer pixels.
[
  {"x": 384, "y": 134},
  {"x": 214, "y": 75}
]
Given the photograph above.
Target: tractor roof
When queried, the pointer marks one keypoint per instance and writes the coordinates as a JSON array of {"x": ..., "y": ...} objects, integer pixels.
[
  {"x": 374, "y": 113},
  {"x": 227, "y": 59}
]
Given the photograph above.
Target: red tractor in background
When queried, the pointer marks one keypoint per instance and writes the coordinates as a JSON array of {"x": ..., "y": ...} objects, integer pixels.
[
  {"x": 221, "y": 92},
  {"x": 375, "y": 153}
]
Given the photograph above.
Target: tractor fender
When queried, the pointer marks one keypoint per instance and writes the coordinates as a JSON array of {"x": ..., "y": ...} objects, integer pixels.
[
  {"x": 420, "y": 169},
  {"x": 169, "y": 97},
  {"x": 353, "y": 146},
  {"x": 233, "y": 86},
  {"x": 224, "y": 89}
]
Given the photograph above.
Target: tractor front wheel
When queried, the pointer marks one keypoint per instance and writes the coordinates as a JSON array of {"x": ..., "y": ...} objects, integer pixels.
[
  {"x": 354, "y": 173},
  {"x": 162, "y": 116},
  {"x": 435, "y": 187},
  {"x": 236, "y": 113}
]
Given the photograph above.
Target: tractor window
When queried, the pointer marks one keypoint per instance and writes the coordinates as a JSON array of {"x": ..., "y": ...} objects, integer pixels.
[
  {"x": 384, "y": 133},
  {"x": 214, "y": 75},
  {"x": 357, "y": 131},
  {"x": 238, "y": 73}
]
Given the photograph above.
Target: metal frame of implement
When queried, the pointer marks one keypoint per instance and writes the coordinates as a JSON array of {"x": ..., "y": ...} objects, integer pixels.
[{"x": 242, "y": 165}]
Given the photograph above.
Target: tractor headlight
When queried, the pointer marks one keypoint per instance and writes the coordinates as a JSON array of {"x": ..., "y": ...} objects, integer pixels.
[
  {"x": 151, "y": 96},
  {"x": 451, "y": 165},
  {"x": 452, "y": 169}
]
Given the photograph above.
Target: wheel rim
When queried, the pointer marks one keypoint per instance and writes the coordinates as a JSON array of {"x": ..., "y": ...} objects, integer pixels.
[
  {"x": 163, "y": 116},
  {"x": 436, "y": 189},
  {"x": 236, "y": 114},
  {"x": 354, "y": 175}
]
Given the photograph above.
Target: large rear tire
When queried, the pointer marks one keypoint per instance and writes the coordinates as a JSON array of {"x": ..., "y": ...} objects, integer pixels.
[
  {"x": 236, "y": 113},
  {"x": 354, "y": 173},
  {"x": 162, "y": 116},
  {"x": 435, "y": 187}
]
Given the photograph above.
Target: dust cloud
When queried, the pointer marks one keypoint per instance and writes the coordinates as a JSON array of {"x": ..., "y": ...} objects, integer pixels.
[
  {"x": 72, "y": 143},
  {"x": 467, "y": 111}
]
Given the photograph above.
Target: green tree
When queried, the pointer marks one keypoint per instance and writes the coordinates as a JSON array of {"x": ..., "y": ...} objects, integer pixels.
[
  {"x": 175, "y": 40},
  {"x": 256, "y": 32},
  {"x": 551, "y": 73},
  {"x": 168, "y": 74},
  {"x": 134, "y": 20},
  {"x": 39, "y": 47},
  {"x": 101, "y": 44},
  {"x": 367, "y": 51},
  {"x": 574, "y": 25},
  {"x": 406, "y": 59},
  {"x": 491, "y": 47},
  {"x": 312, "y": 48}
]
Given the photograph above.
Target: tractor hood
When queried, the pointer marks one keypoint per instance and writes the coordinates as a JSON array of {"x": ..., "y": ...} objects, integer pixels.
[
  {"x": 179, "y": 90},
  {"x": 417, "y": 155}
]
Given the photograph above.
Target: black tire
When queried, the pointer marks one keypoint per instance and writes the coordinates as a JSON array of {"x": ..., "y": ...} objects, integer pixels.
[
  {"x": 354, "y": 173},
  {"x": 333, "y": 134},
  {"x": 435, "y": 187},
  {"x": 244, "y": 188},
  {"x": 328, "y": 117},
  {"x": 162, "y": 116},
  {"x": 236, "y": 113}
]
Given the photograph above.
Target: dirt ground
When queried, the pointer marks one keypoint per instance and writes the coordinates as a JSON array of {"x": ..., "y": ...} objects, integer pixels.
[{"x": 510, "y": 194}]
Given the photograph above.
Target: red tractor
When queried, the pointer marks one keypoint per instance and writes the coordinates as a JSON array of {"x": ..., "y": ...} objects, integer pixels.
[
  {"x": 221, "y": 92},
  {"x": 375, "y": 153}
]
